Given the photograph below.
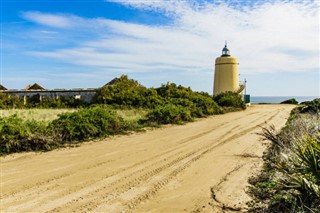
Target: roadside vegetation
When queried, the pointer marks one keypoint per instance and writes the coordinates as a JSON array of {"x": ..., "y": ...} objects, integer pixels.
[
  {"x": 119, "y": 107},
  {"x": 290, "y": 180},
  {"x": 290, "y": 101},
  {"x": 15, "y": 102},
  {"x": 35, "y": 113}
]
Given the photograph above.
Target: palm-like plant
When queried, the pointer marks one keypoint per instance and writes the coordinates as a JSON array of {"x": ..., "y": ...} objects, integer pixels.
[{"x": 305, "y": 163}]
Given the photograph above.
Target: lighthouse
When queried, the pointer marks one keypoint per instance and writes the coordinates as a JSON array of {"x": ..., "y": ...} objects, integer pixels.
[{"x": 226, "y": 75}]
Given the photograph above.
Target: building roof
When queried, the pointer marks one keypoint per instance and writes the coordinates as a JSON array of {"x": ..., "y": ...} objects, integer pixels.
[
  {"x": 34, "y": 87},
  {"x": 2, "y": 87},
  {"x": 113, "y": 81}
]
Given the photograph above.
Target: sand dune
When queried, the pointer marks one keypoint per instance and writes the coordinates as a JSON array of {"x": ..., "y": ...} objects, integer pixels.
[{"x": 198, "y": 167}]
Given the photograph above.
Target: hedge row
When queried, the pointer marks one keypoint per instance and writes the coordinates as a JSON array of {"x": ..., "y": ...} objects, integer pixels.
[
  {"x": 168, "y": 104},
  {"x": 18, "y": 135},
  {"x": 125, "y": 92}
]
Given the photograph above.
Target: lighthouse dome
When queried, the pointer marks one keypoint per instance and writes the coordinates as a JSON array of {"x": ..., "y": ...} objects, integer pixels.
[{"x": 225, "y": 51}]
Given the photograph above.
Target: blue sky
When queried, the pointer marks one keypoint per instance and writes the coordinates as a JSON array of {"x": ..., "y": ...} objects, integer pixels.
[{"x": 85, "y": 44}]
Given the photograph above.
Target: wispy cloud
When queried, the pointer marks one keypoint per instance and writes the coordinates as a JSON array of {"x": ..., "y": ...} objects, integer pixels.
[
  {"x": 269, "y": 36},
  {"x": 50, "y": 20},
  {"x": 65, "y": 21}
]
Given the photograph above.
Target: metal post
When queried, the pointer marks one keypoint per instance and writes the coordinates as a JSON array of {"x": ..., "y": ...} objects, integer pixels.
[{"x": 245, "y": 86}]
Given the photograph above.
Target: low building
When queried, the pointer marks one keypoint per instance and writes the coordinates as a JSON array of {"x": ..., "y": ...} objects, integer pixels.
[
  {"x": 84, "y": 94},
  {"x": 2, "y": 88}
]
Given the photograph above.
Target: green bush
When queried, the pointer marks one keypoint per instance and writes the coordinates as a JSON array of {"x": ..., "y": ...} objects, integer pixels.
[
  {"x": 229, "y": 99},
  {"x": 62, "y": 102},
  {"x": 17, "y": 135},
  {"x": 168, "y": 104},
  {"x": 86, "y": 124},
  {"x": 200, "y": 104},
  {"x": 169, "y": 114},
  {"x": 311, "y": 106},
  {"x": 290, "y": 101},
  {"x": 124, "y": 92},
  {"x": 7, "y": 102},
  {"x": 151, "y": 99},
  {"x": 171, "y": 90},
  {"x": 204, "y": 105}
]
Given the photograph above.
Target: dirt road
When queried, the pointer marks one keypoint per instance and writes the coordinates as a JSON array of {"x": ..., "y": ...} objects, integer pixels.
[{"x": 200, "y": 166}]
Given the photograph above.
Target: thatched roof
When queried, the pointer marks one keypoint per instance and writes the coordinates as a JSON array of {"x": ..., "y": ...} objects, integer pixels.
[
  {"x": 2, "y": 87},
  {"x": 34, "y": 87}
]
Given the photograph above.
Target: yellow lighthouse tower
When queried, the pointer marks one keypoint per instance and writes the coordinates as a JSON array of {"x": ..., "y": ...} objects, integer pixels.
[{"x": 226, "y": 76}]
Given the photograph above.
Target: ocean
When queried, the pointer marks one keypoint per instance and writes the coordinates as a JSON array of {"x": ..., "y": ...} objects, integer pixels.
[{"x": 279, "y": 99}]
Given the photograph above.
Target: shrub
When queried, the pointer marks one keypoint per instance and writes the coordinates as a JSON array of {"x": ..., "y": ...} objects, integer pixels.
[
  {"x": 7, "y": 102},
  {"x": 87, "y": 123},
  {"x": 311, "y": 106},
  {"x": 169, "y": 114},
  {"x": 17, "y": 135},
  {"x": 168, "y": 104},
  {"x": 200, "y": 104},
  {"x": 204, "y": 105},
  {"x": 125, "y": 92},
  {"x": 62, "y": 102},
  {"x": 122, "y": 91},
  {"x": 151, "y": 99},
  {"x": 229, "y": 99},
  {"x": 290, "y": 101},
  {"x": 171, "y": 90}
]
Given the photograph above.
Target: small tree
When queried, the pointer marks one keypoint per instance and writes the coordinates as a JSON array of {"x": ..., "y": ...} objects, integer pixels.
[{"x": 121, "y": 91}]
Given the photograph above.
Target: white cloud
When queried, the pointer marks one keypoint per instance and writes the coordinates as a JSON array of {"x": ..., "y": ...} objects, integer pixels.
[
  {"x": 49, "y": 32},
  {"x": 266, "y": 37},
  {"x": 50, "y": 20},
  {"x": 169, "y": 6},
  {"x": 65, "y": 21}
]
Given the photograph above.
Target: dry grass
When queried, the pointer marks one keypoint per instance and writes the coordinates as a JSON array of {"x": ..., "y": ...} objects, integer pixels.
[
  {"x": 35, "y": 114},
  {"x": 132, "y": 114},
  {"x": 51, "y": 114}
]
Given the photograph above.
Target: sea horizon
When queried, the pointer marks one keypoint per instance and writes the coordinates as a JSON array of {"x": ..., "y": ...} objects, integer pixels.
[{"x": 279, "y": 99}]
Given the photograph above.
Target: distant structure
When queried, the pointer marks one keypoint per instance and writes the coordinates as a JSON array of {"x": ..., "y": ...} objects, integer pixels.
[
  {"x": 84, "y": 94},
  {"x": 226, "y": 76},
  {"x": 34, "y": 87},
  {"x": 2, "y": 88}
]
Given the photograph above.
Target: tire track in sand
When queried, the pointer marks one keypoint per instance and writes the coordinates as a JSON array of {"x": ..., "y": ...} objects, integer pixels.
[
  {"x": 125, "y": 188},
  {"x": 96, "y": 201},
  {"x": 31, "y": 192}
]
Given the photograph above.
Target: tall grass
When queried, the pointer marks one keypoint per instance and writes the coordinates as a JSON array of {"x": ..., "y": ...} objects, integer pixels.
[
  {"x": 52, "y": 114},
  {"x": 132, "y": 114},
  {"x": 35, "y": 114},
  {"x": 292, "y": 168}
]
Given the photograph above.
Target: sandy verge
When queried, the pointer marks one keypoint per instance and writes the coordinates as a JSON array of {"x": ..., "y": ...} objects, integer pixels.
[{"x": 198, "y": 167}]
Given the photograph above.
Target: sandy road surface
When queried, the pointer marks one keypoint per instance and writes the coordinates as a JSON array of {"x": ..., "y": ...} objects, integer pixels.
[{"x": 200, "y": 166}]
